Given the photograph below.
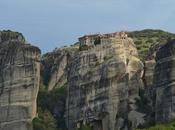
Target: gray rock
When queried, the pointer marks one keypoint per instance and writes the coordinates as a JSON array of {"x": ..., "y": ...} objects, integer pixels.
[
  {"x": 54, "y": 66},
  {"x": 103, "y": 85},
  {"x": 164, "y": 83},
  {"x": 19, "y": 84}
]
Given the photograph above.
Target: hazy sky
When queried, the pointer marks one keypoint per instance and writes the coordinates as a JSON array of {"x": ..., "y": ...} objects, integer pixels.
[{"x": 54, "y": 23}]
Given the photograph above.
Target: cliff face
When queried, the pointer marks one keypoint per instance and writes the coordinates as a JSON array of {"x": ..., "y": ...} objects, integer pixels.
[
  {"x": 19, "y": 82},
  {"x": 54, "y": 66},
  {"x": 164, "y": 83},
  {"x": 103, "y": 87},
  {"x": 108, "y": 87}
]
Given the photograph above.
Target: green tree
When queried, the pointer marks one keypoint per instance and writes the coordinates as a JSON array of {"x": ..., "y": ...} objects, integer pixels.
[{"x": 44, "y": 121}]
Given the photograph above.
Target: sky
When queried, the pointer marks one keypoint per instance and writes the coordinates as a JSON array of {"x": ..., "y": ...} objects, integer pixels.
[{"x": 55, "y": 23}]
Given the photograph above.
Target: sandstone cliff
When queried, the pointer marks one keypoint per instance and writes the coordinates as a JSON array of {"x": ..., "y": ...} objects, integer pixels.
[
  {"x": 19, "y": 81},
  {"x": 103, "y": 87}
]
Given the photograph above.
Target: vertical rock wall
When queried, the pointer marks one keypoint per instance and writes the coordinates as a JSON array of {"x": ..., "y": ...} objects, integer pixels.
[
  {"x": 103, "y": 85},
  {"x": 54, "y": 66},
  {"x": 165, "y": 83},
  {"x": 19, "y": 84}
]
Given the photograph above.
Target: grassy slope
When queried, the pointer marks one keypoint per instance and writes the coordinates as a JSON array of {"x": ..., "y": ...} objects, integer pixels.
[{"x": 147, "y": 41}]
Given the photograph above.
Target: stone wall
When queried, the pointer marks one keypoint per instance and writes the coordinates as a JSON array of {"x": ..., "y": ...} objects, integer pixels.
[{"x": 90, "y": 40}]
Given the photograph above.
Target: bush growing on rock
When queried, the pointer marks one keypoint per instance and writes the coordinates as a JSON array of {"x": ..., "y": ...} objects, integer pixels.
[{"x": 51, "y": 106}]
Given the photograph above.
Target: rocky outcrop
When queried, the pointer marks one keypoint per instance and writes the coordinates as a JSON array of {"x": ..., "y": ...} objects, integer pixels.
[
  {"x": 103, "y": 87},
  {"x": 147, "y": 95},
  {"x": 19, "y": 81},
  {"x": 54, "y": 66},
  {"x": 108, "y": 87},
  {"x": 11, "y": 36},
  {"x": 148, "y": 76},
  {"x": 164, "y": 82}
]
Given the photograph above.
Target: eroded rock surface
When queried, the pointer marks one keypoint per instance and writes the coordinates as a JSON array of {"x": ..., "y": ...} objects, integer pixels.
[
  {"x": 147, "y": 94},
  {"x": 148, "y": 77},
  {"x": 19, "y": 81},
  {"x": 164, "y": 83},
  {"x": 54, "y": 66},
  {"x": 103, "y": 86}
]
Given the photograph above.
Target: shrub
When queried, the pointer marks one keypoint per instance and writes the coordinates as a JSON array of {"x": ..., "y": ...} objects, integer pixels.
[
  {"x": 52, "y": 106},
  {"x": 44, "y": 121},
  {"x": 163, "y": 126},
  {"x": 97, "y": 63},
  {"x": 107, "y": 57},
  {"x": 85, "y": 127},
  {"x": 97, "y": 41},
  {"x": 38, "y": 124},
  {"x": 84, "y": 47}
]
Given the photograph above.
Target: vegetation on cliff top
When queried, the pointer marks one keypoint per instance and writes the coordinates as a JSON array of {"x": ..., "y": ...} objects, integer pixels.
[
  {"x": 6, "y": 35},
  {"x": 148, "y": 41}
]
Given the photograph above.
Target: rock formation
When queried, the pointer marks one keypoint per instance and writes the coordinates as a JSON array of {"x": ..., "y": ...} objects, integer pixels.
[
  {"x": 164, "y": 82},
  {"x": 103, "y": 86},
  {"x": 148, "y": 76},
  {"x": 19, "y": 81},
  {"x": 108, "y": 87},
  {"x": 54, "y": 66}
]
